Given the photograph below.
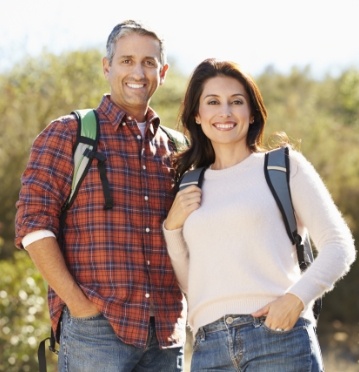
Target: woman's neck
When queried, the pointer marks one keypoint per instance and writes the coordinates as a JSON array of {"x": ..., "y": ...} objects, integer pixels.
[{"x": 225, "y": 159}]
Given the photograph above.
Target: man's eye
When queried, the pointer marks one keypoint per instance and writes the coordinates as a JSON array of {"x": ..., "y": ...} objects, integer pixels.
[{"x": 151, "y": 63}]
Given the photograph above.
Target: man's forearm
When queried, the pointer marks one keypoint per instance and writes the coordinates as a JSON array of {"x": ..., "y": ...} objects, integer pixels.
[{"x": 47, "y": 257}]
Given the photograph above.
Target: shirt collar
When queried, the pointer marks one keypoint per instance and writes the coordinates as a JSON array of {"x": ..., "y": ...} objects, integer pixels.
[{"x": 116, "y": 115}]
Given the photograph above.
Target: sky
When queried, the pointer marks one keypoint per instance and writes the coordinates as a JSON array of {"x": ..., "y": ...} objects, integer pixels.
[{"x": 322, "y": 34}]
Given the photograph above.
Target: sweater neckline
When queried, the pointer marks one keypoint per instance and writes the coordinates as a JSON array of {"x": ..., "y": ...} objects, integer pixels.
[{"x": 245, "y": 163}]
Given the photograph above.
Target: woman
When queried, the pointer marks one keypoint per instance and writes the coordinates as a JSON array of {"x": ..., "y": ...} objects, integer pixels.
[{"x": 250, "y": 308}]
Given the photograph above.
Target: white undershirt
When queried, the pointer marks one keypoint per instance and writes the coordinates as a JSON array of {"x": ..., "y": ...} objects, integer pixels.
[{"x": 142, "y": 127}]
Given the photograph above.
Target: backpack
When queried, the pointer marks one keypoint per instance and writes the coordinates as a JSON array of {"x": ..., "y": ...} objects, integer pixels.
[
  {"x": 276, "y": 171},
  {"x": 85, "y": 150}
]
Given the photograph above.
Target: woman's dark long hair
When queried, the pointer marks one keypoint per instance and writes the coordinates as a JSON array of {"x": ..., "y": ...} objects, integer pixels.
[{"x": 200, "y": 152}]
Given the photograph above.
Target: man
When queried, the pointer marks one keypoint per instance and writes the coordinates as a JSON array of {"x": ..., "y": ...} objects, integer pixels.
[{"x": 114, "y": 301}]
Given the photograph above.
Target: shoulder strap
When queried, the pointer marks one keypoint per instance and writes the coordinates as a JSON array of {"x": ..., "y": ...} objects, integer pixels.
[
  {"x": 41, "y": 351},
  {"x": 87, "y": 136},
  {"x": 86, "y": 140},
  {"x": 192, "y": 177},
  {"x": 178, "y": 139},
  {"x": 277, "y": 171},
  {"x": 85, "y": 150}
]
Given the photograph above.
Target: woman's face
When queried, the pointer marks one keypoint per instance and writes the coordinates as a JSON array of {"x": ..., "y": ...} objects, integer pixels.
[{"x": 224, "y": 111}]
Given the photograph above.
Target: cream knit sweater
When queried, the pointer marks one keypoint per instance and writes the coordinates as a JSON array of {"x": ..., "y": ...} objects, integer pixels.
[{"x": 233, "y": 255}]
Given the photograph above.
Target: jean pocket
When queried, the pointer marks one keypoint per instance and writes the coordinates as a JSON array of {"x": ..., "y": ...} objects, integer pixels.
[
  {"x": 299, "y": 325},
  {"x": 89, "y": 317}
]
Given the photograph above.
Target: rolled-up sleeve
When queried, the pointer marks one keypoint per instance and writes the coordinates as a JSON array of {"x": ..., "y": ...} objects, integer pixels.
[{"x": 46, "y": 181}]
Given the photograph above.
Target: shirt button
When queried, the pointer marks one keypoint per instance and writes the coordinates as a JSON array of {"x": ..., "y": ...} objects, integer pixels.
[
  {"x": 147, "y": 295},
  {"x": 143, "y": 167},
  {"x": 123, "y": 124},
  {"x": 148, "y": 262},
  {"x": 148, "y": 229},
  {"x": 139, "y": 137},
  {"x": 229, "y": 320},
  {"x": 146, "y": 197}
]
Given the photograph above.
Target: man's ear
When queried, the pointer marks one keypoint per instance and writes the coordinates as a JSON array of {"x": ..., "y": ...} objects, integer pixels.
[
  {"x": 163, "y": 73},
  {"x": 105, "y": 66}
]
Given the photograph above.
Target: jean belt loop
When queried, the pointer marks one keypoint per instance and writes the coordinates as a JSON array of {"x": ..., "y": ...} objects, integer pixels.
[
  {"x": 201, "y": 334},
  {"x": 257, "y": 322}
]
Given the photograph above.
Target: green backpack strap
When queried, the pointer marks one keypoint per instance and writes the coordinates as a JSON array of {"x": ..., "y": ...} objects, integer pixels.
[
  {"x": 87, "y": 141},
  {"x": 178, "y": 139},
  {"x": 85, "y": 151}
]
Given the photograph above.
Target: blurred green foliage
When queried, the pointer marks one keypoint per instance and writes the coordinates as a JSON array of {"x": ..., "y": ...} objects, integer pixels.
[
  {"x": 24, "y": 318},
  {"x": 322, "y": 115}
]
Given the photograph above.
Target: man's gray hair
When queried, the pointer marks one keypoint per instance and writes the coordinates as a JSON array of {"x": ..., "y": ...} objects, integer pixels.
[{"x": 128, "y": 27}]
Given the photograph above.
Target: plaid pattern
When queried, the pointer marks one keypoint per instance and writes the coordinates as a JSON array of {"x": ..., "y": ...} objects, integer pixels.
[{"x": 117, "y": 256}]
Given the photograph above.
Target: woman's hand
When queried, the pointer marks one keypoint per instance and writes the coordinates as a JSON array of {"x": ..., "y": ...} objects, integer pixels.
[
  {"x": 282, "y": 313},
  {"x": 186, "y": 201}
]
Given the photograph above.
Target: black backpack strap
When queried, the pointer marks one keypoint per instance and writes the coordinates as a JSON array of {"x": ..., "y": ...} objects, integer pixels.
[
  {"x": 41, "y": 355},
  {"x": 101, "y": 158},
  {"x": 41, "y": 351},
  {"x": 277, "y": 172},
  {"x": 192, "y": 177}
]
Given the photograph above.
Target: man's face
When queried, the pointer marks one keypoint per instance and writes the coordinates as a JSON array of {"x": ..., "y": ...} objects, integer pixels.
[{"x": 135, "y": 72}]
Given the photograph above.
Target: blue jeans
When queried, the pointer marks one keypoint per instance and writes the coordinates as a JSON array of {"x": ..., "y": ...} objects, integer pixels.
[
  {"x": 244, "y": 343},
  {"x": 90, "y": 345}
]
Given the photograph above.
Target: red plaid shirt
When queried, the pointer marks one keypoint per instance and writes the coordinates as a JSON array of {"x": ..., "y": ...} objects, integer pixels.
[{"x": 118, "y": 256}]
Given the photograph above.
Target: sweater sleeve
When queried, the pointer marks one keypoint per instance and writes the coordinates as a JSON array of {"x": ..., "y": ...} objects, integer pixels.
[
  {"x": 178, "y": 252},
  {"x": 316, "y": 211}
]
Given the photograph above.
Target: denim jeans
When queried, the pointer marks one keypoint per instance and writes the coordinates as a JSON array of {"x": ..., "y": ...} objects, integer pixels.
[
  {"x": 244, "y": 343},
  {"x": 90, "y": 345}
]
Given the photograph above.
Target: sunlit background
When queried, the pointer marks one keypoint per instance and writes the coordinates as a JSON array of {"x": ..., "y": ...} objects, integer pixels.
[
  {"x": 322, "y": 34},
  {"x": 304, "y": 55}
]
